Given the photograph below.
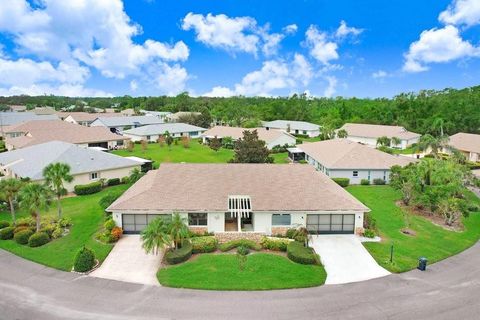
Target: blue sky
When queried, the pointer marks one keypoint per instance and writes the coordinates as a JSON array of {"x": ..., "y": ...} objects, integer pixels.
[{"x": 237, "y": 47}]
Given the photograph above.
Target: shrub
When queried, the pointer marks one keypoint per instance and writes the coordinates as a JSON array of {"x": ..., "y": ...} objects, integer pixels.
[
  {"x": 364, "y": 182},
  {"x": 57, "y": 233},
  {"x": 291, "y": 233},
  {"x": 83, "y": 189},
  {"x": 243, "y": 250},
  {"x": 27, "y": 222},
  {"x": 116, "y": 233},
  {"x": 84, "y": 260},
  {"x": 113, "y": 182},
  {"x": 4, "y": 224},
  {"x": 179, "y": 255},
  {"x": 109, "y": 198},
  {"x": 343, "y": 182},
  {"x": 22, "y": 237},
  {"x": 369, "y": 233},
  {"x": 6, "y": 233},
  {"x": 302, "y": 161},
  {"x": 204, "y": 244},
  {"x": 21, "y": 228},
  {"x": 301, "y": 235},
  {"x": 369, "y": 222},
  {"x": 227, "y": 246},
  {"x": 275, "y": 244},
  {"x": 38, "y": 239},
  {"x": 125, "y": 180},
  {"x": 64, "y": 222},
  {"x": 378, "y": 181},
  {"x": 48, "y": 228},
  {"x": 109, "y": 224},
  {"x": 297, "y": 252}
]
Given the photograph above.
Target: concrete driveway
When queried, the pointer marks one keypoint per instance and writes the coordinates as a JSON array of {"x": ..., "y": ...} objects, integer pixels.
[
  {"x": 346, "y": 259},
  {"x": 128, "y": 262}
]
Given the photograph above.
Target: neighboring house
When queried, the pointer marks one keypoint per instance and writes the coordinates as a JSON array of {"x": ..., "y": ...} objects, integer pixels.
[
  {"x": 159, "y": 114},
  {"x": 272, "y": 138},
  {"x": 262, "y": 198},
  {"x": 466, "y": 143},
  {"x": 175, "y": 117},
  {"x": 128, "y": 112},
  {"x": 120, "y": 123},
  {"x": 294, "y": 127},
  {"x": 17, "y": 108},
  {"x": 154, "y": 131},
  {"x": 44, "y": 111},
  {"x": 342, "y": 158},
  {"x": 86, "y": 165},
  {"x": 85, "y": 118},
  {"x": 8, "y": 119},
  {"x": 369, "y": 133},
  {"x": 35, "y": 132}
]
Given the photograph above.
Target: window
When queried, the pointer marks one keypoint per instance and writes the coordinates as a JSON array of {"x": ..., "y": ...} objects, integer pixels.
[
  {"x": 304, "y": 131},
  {"x": 368, "y": 175},
  {"x": 197, "y": 219},
  {"x": 94, "y": 176},
  {"x": 148, "y": 138},
  {"x": 355, "y": 173},
  {"x": 281, "y": 219}
]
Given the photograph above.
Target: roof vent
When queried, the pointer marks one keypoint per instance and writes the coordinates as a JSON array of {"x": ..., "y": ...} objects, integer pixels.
[{"x": 239, "y": 205}]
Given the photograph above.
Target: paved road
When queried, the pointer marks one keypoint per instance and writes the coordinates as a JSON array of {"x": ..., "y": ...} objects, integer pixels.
[{"x": 448, "y": 290}]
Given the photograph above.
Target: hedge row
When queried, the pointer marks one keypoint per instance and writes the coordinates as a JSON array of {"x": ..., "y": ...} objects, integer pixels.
[
  {"x": 83, "y": 189},
  {"x": 297, "y": 252},
  {"x": 342, "y": 182},
  {"x": 204, "y": 244},
  {"x": 275, "y": 244},
  {"x": 4, "y": 224},
  {"x": 21, "y": 237},
  {"x": 113, "y": 182},
  {"x": 179, "y": 255},
  {"x": 38, "y": 239},
  {"x": 227, "y": 246}
]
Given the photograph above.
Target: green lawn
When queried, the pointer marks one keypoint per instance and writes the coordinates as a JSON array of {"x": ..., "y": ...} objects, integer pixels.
[
  {"x": 408, "y": 150},
  {"x": 197, "y": 153},
  {"x": 431, "y": 241},
  {"x": 87, "y": 217},
  {"x": 221, "y": 272}
]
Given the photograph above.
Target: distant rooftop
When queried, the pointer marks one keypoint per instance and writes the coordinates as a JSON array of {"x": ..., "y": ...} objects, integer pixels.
[
  {"x": 122, "y": 121},
  {"x": 237, "y": 133},
  {"x": 376, "y": 131},
  {"x": 12, "y": 118},
  {"x": 161, "y": 128},
  {"x": 466, "y": 142},
  {"x": 294, "y": 125}
]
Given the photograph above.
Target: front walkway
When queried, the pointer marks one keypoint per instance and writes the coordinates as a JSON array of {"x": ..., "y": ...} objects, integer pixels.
[
  {"x": 345, "y": 259},
  {"x": 128, "y": 262}
]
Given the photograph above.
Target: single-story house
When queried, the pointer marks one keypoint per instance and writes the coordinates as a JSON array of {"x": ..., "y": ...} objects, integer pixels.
[
  {"x": 40, "y": 131},
  {"x": 128, "y": 112},
  {"x": 342, "y": 158},
  {"x": 121, "y": 123},
  {"x": 86, "y": 165},
  {"x": 272, "y": 138},
  {"x": 159, "y": 114},
  {"x": 175, "y": 117},
  {"x": 18, "y": 108},
  {"x": 369, "y": 133},
  {"x": 85, "y": 118},
  {"x": 44, "y": 111},
  {"x": 259, "y": 198},
  {"x": 466, "y": 143},
  {"x": 294, "y": 127},
  {"x": 8, "y": 119},
  {"x": 154, "y": 131}
]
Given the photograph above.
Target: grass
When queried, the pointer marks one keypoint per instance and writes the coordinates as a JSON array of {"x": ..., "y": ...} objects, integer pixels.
[
  {"x": 87, "y": 217},
  {"x": 196, "y": 153},
  {"x": 408, "y": 150},
  {"x": 431, "y": 241},
  {"x": 262, "y": 271}
]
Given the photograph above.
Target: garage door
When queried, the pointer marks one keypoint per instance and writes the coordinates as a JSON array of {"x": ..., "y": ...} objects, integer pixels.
[
  {"x": 135, "y": 223},
  {"x": 331, "y": 223}
]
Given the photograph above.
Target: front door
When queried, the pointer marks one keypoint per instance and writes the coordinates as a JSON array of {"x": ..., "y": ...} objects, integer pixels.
[{"x": 231, "y": 222}]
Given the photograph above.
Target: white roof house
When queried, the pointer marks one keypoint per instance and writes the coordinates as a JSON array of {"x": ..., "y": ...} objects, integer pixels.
[
  {"x": 262, "y": 198},
  {"x": 272, "y": 137},
  {"x": 467, "y": 143},
  {"x": 152, "y": 132},
  {"x": 12, "y": 118},
  {"x": 342, "y": 158},
  {"x": 86, "y": 165},
  {"x": 369, "y": 133},
  {"x": 294, "y": 127},
  {"x": 159, "y": 114},
  {"x": 120, "y": 123},
  {"x": 84, "y": 118}
]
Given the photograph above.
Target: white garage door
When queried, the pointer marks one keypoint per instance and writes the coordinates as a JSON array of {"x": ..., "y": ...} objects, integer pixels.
[
  {"x": 331, "y": 223},
  {"x": 135, "y": 223}
]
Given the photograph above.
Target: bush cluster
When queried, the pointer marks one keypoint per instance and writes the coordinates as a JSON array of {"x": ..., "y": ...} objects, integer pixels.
[
  {"x": 204, "y": 244},
  {"x": 179, "y": 255},
  {"x": 297, "y": 252},
  {"x": 343, "y": 182},
  {"x": 291, "y": 233},
  {"x": 38, "y": 239},
  {"x": 243, "y": 250},
  {"x": 84, "y": 260},
  {"x": 369, "y": 233},
  {"x": 4, "y": 224},
  {"x": 365, "y": 182},
  {"x": 6, "y": 233},
  {"x": 275, "y": 244},
  {"x": 378, "y": 182},
  {"x": 109, "y": 198},
  {"x": 116, "y": 233},
  {"x": 22, "y": 237},
  {"x": 83, "y": 189},
  {"x": 227, "y": 246},
  {"x": 113, "y": 182}
]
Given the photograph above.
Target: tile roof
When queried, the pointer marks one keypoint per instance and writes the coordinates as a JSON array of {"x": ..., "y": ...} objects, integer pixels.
[
  {"x": 155, "y": 129},
  {"x": 465, "y": 142},
  {"x": 13, "y": 118},
  {"x": 206, "y": 187},
  {"x": 294, "y": 125},
  {"x": 376, "y": 131},
  {"x": 237, "y": 133},
  {"x": 30, "y": 161},
  {"x": 122, "y": 121},
  {"x": 346, "y": 154},
  {"x": 87, "y": 116}
]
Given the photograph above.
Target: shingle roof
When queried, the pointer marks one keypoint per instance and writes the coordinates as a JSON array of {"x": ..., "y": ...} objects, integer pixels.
[
  {"x": 176, "y": 116},
  {"x": 122, "y": 121},
  {"x": 86, "y": 116},
  {"x": 50, "y": 130},
  {"x": 465, "y": 142},
  {"x": 206, "y": 187},
  {"x": 237, "y": 133},
  {"x": 294, "y": 125},
  {"x": 12, "y": 118},
  {"x": 346, "y": 154},
  {"x": 155, "y": 129},
  {"x": 376, "y": 131},
  {"x": 30, "y": 161}
]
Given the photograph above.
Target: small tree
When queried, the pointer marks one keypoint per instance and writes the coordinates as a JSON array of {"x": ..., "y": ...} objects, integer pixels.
[
  {"x": 35, "y": 197},
  {"x": 155, "y": 236},
  {"x": 55, "y": 175},
  {"x": 9, "y": 189},
  {"x": 215, "y": 144},
  {"x": 452, "y": 209},
  {"x": 342, "y": 133},
  {"x": 383, "y": 141},
  {"x": 161, "y": 141},
  {"x": 135, "y": 175},
  {"x": 168, "y": 139},
  {"x": 144, "y": 145},
  {"x": 178, "y": 230},
  {"x": 186, "y": 142},
  {"x": 130, "y": 146},
  {"x": 288, "y": 128},
  {"x": 250, "y": 149}
]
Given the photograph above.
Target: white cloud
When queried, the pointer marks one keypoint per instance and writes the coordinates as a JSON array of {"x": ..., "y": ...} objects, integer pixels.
[
  {"x": 290, "y": 29},
  {"x": 70, "y": 90},
  {"x": 438, "y": 46},
  {"x": 133, "y": 85},
  {"x": 380, "y": 74},
  {"x": 219, "y": 91},
  {"x": 332, "y": 86},
  {"x": 462, "y": 12},
  {"x": 344, "y": 30},
  {"x": 171, "y": 79},
  {"x": 320, "y": 47}
]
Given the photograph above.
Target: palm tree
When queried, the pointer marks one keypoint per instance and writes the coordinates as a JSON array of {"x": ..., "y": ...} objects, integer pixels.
[
  {"x": 35, "y": 197},
  {"x": 395, "y": 141},
  {"x": 178, "y": 229},
  {"x": 155, "y": 236},
  {"x": 56, "y": 174},
  {"x": 342, "y": 133},
  {"x": 438, "y": 125},
  {"x": 9, "y": 189},
  {"x": 383, "y": 141},
  {"x": 135, "y": 175},
  {"x": 428, "y": 141}
]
